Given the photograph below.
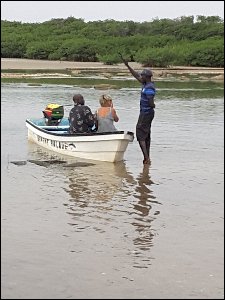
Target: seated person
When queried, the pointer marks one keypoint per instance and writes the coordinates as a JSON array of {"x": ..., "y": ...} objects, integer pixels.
[
  {"x": 81, "y": 119},
  {"x": 106, "y": 115}
]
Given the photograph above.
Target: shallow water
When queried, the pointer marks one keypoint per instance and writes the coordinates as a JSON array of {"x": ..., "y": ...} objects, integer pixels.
[{"x": 87, "y": 229}]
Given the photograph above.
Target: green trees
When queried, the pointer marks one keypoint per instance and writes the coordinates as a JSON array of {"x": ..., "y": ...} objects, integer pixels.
[
  {"x": 208, "y": 53},
  {"x": 159, "y": 43}
]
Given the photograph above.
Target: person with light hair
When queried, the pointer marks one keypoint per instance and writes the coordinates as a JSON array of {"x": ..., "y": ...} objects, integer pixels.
[{"x": 106, "y": 115}]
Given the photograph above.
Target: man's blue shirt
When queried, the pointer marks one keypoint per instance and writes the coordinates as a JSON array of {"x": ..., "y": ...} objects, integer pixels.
[{"x": 147, "y": 92}]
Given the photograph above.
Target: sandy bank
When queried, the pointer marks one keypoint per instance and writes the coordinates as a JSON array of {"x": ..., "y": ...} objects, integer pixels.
[
  {"x": 29, "y": 64},
  {"x": 100, "y": 68}
]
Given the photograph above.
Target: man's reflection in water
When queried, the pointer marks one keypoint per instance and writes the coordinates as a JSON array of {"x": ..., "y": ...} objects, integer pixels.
[{"x": 143, "y": 219}]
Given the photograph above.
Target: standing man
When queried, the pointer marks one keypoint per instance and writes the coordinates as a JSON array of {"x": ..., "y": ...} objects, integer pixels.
[{"x": 147, "y": 112}]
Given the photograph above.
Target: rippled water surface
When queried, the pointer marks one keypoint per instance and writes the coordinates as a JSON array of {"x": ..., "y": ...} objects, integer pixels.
[{"x": 86, "y": 229}]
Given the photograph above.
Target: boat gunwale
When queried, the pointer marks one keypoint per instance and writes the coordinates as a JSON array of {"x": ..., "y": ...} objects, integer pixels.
[{"x": 76, "y": 134}]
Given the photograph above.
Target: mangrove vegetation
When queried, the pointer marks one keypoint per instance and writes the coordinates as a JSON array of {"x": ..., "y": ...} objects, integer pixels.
[{"x": 185, "y": 41}]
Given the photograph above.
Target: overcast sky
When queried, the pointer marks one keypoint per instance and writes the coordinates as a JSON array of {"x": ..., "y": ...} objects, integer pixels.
[{"x": 137, "y": 11}]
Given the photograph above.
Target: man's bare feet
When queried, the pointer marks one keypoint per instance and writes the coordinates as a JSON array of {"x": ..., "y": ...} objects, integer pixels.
[{"x": 147, "y": 161}]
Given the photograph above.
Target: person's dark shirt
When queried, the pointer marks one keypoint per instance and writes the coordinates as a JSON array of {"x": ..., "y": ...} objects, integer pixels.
[{"x": 81, "y": 119}]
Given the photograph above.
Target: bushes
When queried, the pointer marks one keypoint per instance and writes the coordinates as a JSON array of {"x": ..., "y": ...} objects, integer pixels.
[
  {"x": 209, "y": 53},
  {"x": 159, "y": 43}
]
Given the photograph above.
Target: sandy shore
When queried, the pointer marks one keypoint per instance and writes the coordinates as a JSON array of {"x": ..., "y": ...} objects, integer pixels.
[
  {"x": 97, "y": 67},
  {"x": 29, "y": 64}
]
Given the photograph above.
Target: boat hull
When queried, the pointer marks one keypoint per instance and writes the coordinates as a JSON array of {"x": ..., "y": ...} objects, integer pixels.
[{"x": 102, "y": 147}]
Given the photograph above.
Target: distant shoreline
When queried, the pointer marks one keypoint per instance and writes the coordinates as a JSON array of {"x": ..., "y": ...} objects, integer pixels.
[
  {"x": 30, "y": 64},
  {"x": 11, "y": 64}
]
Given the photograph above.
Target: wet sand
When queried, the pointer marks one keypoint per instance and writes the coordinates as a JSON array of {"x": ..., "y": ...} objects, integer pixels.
[{"x": 97, "y": 67}]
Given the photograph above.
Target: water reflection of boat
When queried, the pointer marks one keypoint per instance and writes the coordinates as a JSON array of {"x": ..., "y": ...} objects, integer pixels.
[
  {"x": 96, "y": 195},
  {"x": 97, "y": 185},
  {"x": 107, "y": 199},
  {"x": 87, "y": 180}
]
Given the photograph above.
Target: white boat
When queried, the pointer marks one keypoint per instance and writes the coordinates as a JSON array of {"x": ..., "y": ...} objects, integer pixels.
[{"x": 107, "y": 146}]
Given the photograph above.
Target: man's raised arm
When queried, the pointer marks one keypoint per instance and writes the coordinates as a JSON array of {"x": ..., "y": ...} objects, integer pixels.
[{"x": 134, "y": 73}]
